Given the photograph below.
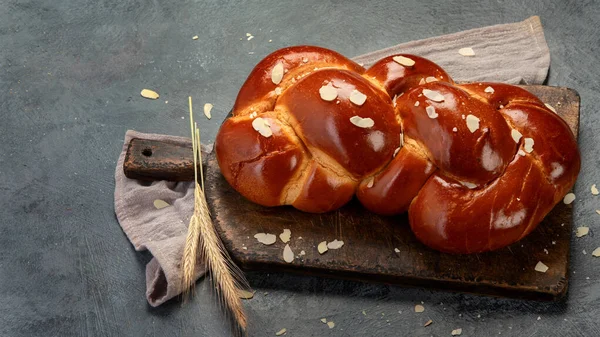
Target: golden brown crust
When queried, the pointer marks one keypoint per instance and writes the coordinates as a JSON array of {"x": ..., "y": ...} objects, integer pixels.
[{"x": 482, "y": 165}]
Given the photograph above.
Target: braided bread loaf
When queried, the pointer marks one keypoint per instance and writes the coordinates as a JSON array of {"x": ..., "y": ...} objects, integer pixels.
[{"x": 477, "y": 166}]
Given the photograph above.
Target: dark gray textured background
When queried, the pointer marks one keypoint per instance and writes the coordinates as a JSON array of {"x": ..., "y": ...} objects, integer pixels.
[{"x": 70, "y": 76}]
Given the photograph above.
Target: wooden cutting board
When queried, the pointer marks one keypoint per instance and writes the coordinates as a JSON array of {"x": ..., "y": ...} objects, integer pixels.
[{"x": 376, "y": 248}]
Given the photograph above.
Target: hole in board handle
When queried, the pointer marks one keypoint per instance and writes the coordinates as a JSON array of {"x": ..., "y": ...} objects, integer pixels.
[{"x": 147, "y": 152}]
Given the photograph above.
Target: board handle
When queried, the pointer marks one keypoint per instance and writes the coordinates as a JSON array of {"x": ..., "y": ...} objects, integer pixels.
[{"x": 151, "y": 160}]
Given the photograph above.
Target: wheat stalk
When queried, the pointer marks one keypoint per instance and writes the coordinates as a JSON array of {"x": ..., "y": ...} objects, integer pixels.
[{"x": 226, "y": 277}]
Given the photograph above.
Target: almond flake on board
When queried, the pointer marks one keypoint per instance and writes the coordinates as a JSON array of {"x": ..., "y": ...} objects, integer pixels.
[
  {"x": 335, "y": 244},
  {"x": 404, "y": 61},
  {"x": 245, "y": 294},
  {"x": 472, "y": 123},
  {"x": 281, "y": 332},
  {"x": 149, "y": 94},
  {"x": 195, "y": 37},
  {"x": 288, "y": 254},
  {"x": 158, "y": 204},
  {"x": 277, "y": 73},
  {"x": 433, "y": 95},
  {"x": 324, "y": 320},
  {"x": 594, "y": 189},
  {"x": 265, "y": 238},
  {"x": 550, "y": 107},
  {"x": 364, "y": 123},
  {"x": 331, "y": 324},
  {"x": 357, "y": 97},
  {"x": 428, "y": 323},
  {"x": 541, "y": 267},
  {"x": 328, "y": 92},
  {"x": 569, "y": 198},
  {"x": 419, "y": 308},
  {"x": 468, "y": 51},
  {"x": 596, "y": 252},
  {"x": 582, "y": 231},
  {"x": 207, "y": 108},
  {"x": 397, "y": 250},
  {"x": 285, "y": 236},
  {"x": 322, "y": 247},
  {"x": 457, "y": 332}
]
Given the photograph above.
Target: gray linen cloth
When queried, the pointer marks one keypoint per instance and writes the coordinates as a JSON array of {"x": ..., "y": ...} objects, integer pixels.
[{"x": 510, "y": 53}]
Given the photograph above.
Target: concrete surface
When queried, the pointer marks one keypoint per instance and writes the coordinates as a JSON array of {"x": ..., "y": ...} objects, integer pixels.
[{"x": 70, "y": 76}]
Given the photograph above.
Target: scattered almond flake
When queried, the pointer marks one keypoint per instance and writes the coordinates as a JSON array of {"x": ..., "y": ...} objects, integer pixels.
[
  {"x": 248, "y": 34},
  {"x": 150, "y": 94},
  {"x": 417, "y": 103},
  {"x": 584, "y": 252},
  {"x": 364, "y": 313},
  {"x": 404, "y": 61},
  {"x": 468, "y": 51},
  {"x": 598, "y": 211},
  {"x": 539, "y": 318},
  {"x": 472, "y": 123},
  {"x": 594, "y": 189},
  {"x": 455, "y": 129},
  {"x": 281, "y": 332},
  {"x": 265, "y": 238},
  {"x": 262, "y": 126},
  {"x": 305, "y": 59},
  {"x": 397, "y": 250},
  {"x": 288, "y": 255},
  {"x": 528, "y": 145},
  {"x": 357, "y": 97},
  {"x": 245, "y": 248},
  {"x": 245, "y": 294},
  {"x": 250, "y": 37},
  {"x": 195, "y": 37},
  {"x": 328, "y": 92},
  {"x": 516, "y": 135},
  {"x": 302, "y": 253},
  {"x": 431, "y": 79},
  {"x": 428, "y": 323},
  {"x": 250, "y": 53},
  {"x": 270, "y": 41},
  {"x": 278, "y": 91},
  {"x": 569, "y": 198},
  {"x": 207, "y": 108},
  {"x": 331, "y": 324},
  {"x": 550, "y": 107},
  {"x": 371, "y": 182},
  {"x": 277, "y": 73},
  {"x": 489, "y": 90},
  {"x": 285, "y": 236},
  {"x": 335, "y": 244},
  {"x": 521, "y": 153},
  {"x": 158, "y": 204},
  {"x": 419, "y": 308},
  {"x": 596, "y": 252},
  {"x": 364, "y": 123},
  {"x": 396, "y": 152},
  {"x": 322, "y": 247},
  {"x": 541, "y": 267},
  {"x": 422, "y": 81},
  {"x": 582, "y": 231},
  {"x": 433, "y": 95},
  {"x": 546, "y": 251},
  {"x": 431, "y": 112},
  {"x": 324, "y": 320},
  {"x": 553, "y": 242},
  {"x": 456, "y": 332}
]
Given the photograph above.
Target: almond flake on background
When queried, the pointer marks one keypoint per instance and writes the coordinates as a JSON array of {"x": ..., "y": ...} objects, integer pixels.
[
  {"x": 357, "y": 97},
  {"x": 404, "y": 61},
  {"x": 433, "y": 95},
  {"x": 324, "y": 320},
  {"x": 456, "y": 332},
  {"x": 328, "y": 92},
  {"x": 335, "y": 244},
  {"x": 250, "y": 37},
  {"x": 550, "y": 107},
  {"x": 528, "y": 145},
  {"x": 472, "y": 123},
  {"x": 331, "y": 324},
  {"x": 489, "y": 90},
  {"x": 582, "y": 231},
  {"x": 285, "y": 236},
  {"x": 288, "y": 255},
  {"x": 594, "y": 189},
  {"x": 245, "y": 295},
  {"x": 265, "y": 238},
  {"x": 302, "y": 253},
  {"x": 158, "y": 204},
  {"x": 541, "y": 267},
  {"x": 419, "y": 308},
  {"x": 207, "y": 108},
  {"x": 516, "y": 135},
  {"x": 569, "y": 198},
  {"x": 468, "y": 51},
  {"x": 397, "y": 250},
  {"x": 364, "y": 123},
  {"x": 431, "y": 112},
  {"x": 428, "y": 323},
  {"x": 598, "y": 211},
  {"x": 281, "y": 332},
  {"x": 277, "y": 73},
  {"x": 149, "y": 94},
  {"x": 322, "y": 247},
  {"x": 596, "y": 252},
  {"x": 262, "y": 126},
  {"x": 195, "y": 37}
]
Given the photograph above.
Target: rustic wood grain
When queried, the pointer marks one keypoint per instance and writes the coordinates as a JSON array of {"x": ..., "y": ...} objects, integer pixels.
[{"x": 370, "y": 240}]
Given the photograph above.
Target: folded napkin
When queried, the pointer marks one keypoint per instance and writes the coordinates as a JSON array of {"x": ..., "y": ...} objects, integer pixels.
[{"x": 510, "y": 53}]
